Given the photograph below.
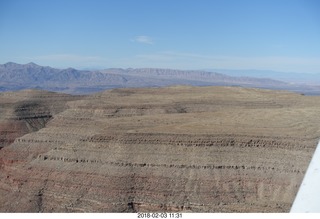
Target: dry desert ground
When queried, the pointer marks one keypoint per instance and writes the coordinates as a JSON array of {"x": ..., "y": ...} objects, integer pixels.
[{"x": 174, "y": 149}]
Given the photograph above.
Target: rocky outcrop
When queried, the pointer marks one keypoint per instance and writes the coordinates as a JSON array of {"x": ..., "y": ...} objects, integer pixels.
[
  {"x": 27, "y": 111},
  {"x": 186, "y": 149}
]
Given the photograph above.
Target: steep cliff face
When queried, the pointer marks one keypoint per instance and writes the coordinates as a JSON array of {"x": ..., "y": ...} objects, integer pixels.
[
  {"x": 209, "y": 149},
  {"x": 28, "y": 111}
]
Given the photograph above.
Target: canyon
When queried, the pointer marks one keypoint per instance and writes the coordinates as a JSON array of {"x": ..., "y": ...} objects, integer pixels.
[{"x": 170, "y": 149}]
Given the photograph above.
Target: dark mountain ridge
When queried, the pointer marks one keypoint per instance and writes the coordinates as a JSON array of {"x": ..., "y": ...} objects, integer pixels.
[{"x": 15, "y": 76}]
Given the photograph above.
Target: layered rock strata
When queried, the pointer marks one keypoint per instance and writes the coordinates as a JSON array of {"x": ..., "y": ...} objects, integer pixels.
[{"x": 188, "y": 149}]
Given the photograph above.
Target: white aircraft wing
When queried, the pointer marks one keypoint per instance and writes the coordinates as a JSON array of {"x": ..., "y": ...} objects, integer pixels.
[{"x": 308, "y": 196}]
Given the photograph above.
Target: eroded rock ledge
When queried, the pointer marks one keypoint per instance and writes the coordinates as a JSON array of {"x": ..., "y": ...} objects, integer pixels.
[{"x": 209, "y": 149}]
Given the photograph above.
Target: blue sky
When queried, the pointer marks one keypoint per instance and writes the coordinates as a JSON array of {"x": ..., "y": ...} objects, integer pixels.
[{"x": 281, "y": 35}]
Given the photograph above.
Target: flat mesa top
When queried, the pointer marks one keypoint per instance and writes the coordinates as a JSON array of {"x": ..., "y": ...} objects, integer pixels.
[{"x": 186, "y": 149}]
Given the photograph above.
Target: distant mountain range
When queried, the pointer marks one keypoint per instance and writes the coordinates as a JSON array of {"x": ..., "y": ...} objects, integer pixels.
[{"x": 15, "y": 76}]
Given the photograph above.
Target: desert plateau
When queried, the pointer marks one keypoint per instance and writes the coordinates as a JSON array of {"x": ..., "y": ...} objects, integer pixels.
[
  {"x": 159, "y": 109},
  {"x": 169, "y": 149}
]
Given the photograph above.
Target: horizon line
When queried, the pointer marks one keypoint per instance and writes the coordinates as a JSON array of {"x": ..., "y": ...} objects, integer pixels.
[{"x": 212, "y": 70}]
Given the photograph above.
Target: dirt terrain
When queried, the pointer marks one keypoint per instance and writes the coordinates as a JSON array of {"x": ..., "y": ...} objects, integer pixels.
[{"x": 187, "y": 149}]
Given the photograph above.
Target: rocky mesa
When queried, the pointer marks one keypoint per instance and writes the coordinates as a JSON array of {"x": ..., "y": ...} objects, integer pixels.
[{"x": 180, "y": 148}]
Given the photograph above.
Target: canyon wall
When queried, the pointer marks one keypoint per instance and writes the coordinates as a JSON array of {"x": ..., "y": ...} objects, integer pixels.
[{"x": 187, "y": 149}]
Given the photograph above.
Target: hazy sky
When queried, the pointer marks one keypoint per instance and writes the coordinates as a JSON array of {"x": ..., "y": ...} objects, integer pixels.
[{"x": 282, "y": 35}]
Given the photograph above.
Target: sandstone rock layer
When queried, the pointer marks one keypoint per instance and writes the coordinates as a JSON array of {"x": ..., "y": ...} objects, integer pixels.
[{"x": 189, "y": 149}]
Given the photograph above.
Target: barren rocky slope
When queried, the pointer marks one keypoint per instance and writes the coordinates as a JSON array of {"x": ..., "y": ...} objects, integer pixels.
[
  {"x": 28, "y": 111},
  {"x": 190, "y": 149}
]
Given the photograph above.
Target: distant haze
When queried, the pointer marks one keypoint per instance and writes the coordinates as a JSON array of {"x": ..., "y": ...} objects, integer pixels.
[
  {"x": 290, "y": 77},
  {"x": 15, "y": 76},
  {"x": 231, "y": 34}
]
